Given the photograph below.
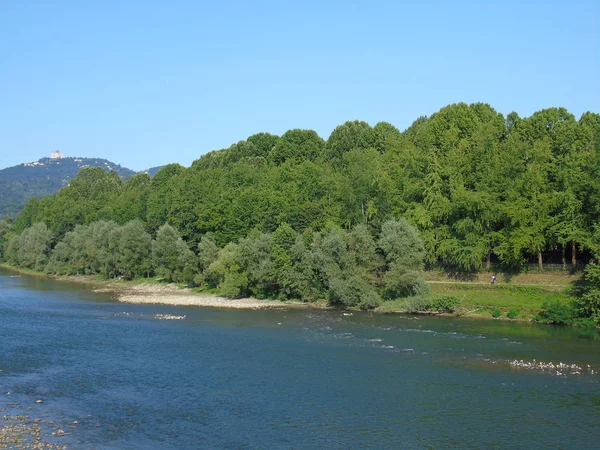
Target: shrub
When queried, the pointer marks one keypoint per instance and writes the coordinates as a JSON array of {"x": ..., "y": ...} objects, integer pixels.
[
  {"x": 557, "y": 313},
  {"x": 417, "y": 304},
  {"x": 496, "y": 312},
  {"x": 353, "y": 292},
  {"x": 445, "y": 303},
  {"x": 585, "y": 322},
  {"x": 513, "y": 313},
  {"x": 587, "y": 300}
]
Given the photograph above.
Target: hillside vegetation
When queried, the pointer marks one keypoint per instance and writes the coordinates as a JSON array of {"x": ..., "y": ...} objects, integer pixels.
[
  {"x": 469, "y": 187},
  {"x": 47, "y": 176}
]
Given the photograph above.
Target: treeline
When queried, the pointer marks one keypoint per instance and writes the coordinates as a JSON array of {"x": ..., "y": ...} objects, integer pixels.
[
  {"x": 347, "y": 268},
  {"x": 480, "y": 187}
]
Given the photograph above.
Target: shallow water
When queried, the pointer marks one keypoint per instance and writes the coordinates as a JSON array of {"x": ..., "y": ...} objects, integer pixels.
[{"x": 288, "y": 379}]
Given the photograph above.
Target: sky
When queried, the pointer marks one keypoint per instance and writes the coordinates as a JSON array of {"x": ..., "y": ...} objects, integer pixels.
[{"x": 147, "y": 83}]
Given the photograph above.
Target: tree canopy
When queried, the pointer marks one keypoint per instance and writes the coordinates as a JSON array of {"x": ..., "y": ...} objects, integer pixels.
[{"x": 462, "y": 188}]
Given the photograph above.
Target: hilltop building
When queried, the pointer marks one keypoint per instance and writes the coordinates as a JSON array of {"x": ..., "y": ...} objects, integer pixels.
[{"x": 56, "y": 155}]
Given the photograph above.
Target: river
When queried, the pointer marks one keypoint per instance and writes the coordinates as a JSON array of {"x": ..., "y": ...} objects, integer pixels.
[{"x": 120, "y": 376}]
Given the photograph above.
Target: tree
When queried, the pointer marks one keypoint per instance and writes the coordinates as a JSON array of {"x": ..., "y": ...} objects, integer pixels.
[
  {"x": 296, "y": 145},
  {"x": 587, "y": 301},
  {"x": 346, "y": 137},
  {"x": 133, "y": 201},
  {"x": 263, "y": 143},
  {"x": 5, "y": 228},
  {"x": 171, "y": 257},
  {"x": 225, "y": 272},
  {"x": 132, "y": 247},
  {"x": 161, "y": 195},
  {"x": 404, "y": 253},
  {"x": 32, "y": 248}
]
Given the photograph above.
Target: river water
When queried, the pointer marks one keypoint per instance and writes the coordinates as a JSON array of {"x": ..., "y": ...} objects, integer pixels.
[{"x": 296, "y": 379}]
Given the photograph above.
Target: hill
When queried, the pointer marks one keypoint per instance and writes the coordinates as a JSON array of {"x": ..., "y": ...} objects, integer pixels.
[
  {"x": 20, "y": 183},
  {"x": 152, "y": 170}
]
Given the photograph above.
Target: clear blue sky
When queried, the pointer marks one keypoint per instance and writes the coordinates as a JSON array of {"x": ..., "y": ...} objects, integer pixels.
[{"x": 145, "y": 83}]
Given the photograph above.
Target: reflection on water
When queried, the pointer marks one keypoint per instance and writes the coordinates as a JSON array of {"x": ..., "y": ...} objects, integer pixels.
[{"x": 124, "y": 376}]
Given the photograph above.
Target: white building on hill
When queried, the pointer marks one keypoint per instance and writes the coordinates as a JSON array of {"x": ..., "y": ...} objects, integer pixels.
[{"x": 56, "y": 155}]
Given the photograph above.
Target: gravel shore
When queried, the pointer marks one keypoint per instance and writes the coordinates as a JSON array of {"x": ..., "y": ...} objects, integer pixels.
[
  {"x": 171, "y": 295},
  {"x": 21, "y": 432}
]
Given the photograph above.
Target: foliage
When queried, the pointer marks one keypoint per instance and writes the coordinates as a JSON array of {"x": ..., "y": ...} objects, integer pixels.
[
  {"x": 496, "y": 313},
  {"x": 587, "y": 302},
  {"x": 404, "y": 251},
  {"x": 478, "y": 187},
  {"x": 417, "y": 304},
  {"x": 132, "y": 247},
  {"x": 30, "y": 249},
  {"x": 171, "y": 257},
  {"x": 512, "y": 313},
  {"x": 351, "y": 219},
  {"x": 557, "y": 313},
  {"x": 445, "y": 303},
  {"x": 5, "y": 228},
  {"x": 47, "y": 176}
]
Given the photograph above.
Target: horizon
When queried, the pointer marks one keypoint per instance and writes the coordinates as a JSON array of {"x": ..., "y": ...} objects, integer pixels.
[{"x": 148, "y": 84}]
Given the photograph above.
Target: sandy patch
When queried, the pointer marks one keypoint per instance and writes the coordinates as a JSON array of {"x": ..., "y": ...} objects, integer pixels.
[{"x": 171, "y": 295}]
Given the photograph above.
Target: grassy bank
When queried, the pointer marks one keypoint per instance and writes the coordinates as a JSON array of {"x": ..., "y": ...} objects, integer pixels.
[{"x": 523, "y": 294}]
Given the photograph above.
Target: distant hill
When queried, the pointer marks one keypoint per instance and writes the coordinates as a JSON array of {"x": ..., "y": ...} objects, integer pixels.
[
  {"x": 20, "y": 183},
  {"x": 152, "y": 170}
]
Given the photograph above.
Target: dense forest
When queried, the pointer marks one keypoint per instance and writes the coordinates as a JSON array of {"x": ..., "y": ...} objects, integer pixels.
[{"x": 461, "y": 189}]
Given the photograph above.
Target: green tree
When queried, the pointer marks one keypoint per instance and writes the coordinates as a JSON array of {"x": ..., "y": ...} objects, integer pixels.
[
  {"x": 31, "y": 248},
  {"x": 225, "y": 272},
  {"x": 5, "y": 228},
  {"x": 171, "y": 257},
  {"x": 132, "y": 247},
  {"x": 346, "y": 137},
  {"x": 587, "y": 302},
  {"x": 404, "y": 253},
  {"x": 161, "y": 198},
  {"x": 297, "y": 145}
]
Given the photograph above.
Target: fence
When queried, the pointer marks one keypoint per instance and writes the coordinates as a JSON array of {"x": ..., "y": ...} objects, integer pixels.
[{"x": 546, "y": 268}]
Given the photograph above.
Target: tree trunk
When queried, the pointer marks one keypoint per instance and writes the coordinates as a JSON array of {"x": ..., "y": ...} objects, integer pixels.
[
  {"x": 573, "y": 254},
  {"x": 362, "y": 207},
  {"x": 540, "y": 262},
  {"x": 564, "y": 256},
  {"x": 489, "y": 261}
]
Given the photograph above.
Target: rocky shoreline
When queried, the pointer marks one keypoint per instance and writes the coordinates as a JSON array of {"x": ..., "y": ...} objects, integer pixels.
[{"x": 21, "y": 432}]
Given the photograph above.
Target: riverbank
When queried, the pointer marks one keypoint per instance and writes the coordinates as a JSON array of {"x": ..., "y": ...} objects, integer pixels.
[
  {"x": 151, "y": 291},
  {"x": 518, "y": 297},
  {"x": 514, "y": 296}
]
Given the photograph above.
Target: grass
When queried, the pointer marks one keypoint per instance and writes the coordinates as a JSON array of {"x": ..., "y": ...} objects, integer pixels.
[
  {"x": 483, "y": 300},
  {"x": 525, "y": 293}
]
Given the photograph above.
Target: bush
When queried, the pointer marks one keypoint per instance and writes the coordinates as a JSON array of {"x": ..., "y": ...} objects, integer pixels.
[
  {"x": 557, "y": 313},
  {"x": 417, "y": 304},
  {"x": 445, "y": 304},
  {"x": 587, "y": 300},
  {"x": 353, "y": 292},
  {"x": 585, "y": 322},
  {"x": 496, "y": 312},
  {"x": 513, "y": 313}
]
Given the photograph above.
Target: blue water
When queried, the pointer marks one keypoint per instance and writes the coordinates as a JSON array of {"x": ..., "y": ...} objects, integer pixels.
[{"x": 286, "y": 379}]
